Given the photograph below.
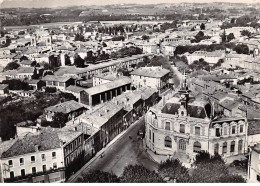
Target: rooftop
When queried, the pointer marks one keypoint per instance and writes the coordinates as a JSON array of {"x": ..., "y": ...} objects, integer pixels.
[
  {"x": 75, "y": 89},
  {"x": 108, "y": 86},
  {"x": 56, "y": 78},
  {"x": 155, "y": 72},
  {"x": 3, "y": 86},
  {"x": 66, "y": 107},
  {"x": 101, "y": 115},
  {"x": 25, "y": 70},
  {"x": 20, "y": 146}
]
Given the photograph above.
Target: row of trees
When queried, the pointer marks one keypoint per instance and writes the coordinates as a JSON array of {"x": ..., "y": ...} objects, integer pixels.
[
  {"x": 206, "y": 169},
  {"x": 240, "y": 48}
]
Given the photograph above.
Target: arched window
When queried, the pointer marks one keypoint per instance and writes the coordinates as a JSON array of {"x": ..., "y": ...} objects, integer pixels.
[
  {"x": 168, "y": 142},
  {"x": 224, "y": 150},
  {"x": 216, "y": 148},
  {"x": 196, "y": 147},
  {"x": 232, "y": 146},
  {"x": 240, "y": 145}
]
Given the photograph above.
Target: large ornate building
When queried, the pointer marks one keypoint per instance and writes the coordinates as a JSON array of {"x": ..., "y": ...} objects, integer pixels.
[{"x": 187, "y": 125}]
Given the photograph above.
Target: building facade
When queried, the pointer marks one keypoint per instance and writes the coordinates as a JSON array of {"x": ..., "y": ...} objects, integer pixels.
[{"x": 185, "y": 125}]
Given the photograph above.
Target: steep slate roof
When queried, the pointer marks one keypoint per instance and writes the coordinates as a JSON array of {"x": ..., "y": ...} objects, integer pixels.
[
  {"x": 66, "y": 107},
  {"x": 194, "y": 108},
  {"x": 155, "y": 72}
]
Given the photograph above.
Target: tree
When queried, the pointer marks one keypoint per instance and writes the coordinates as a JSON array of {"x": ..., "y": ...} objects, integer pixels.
[
  {"x": 78, "y": 61},
  {"x": 230, "y": 37},
  {"x": 16, "y": 84},
  {"x": 98, "y": 176},
  {"x": 11, "y": 66},
  {"x": 242, "y": 49},
  {"x": 212, "y": 169},
  {"x": 118, "y": 38},
  {"x": 199, "y": 65},
  {"x": 67, "y": 60},
  {"x": 50, "y": 90},
  {"x": 59, "y": 119},
  {"x": 202, "y": 26},
  {"x": 23, "y": 58},
  {"x": 175, "y": 170},
  {"x": 145, "y": 37},
  {"x": 139, "y": 174},
  {"x": 246, "y": 33},
  {"x": 223, "y": 36},
  {"x": 79, "y": 37},
  {"x": 160, "y": 61},
  {"x": 45, "y": 65},
  {"x": 218, "y": 64}
]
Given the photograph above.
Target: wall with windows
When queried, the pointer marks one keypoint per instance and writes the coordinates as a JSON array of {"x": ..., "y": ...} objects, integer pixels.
[
  {"x": 229, "y": 137},
  {"x": 254, "y": 165},
  {"x": 73, "y": 149},
  {"x": 167, "y": 134},
  {"x": 32, "y": 163}
]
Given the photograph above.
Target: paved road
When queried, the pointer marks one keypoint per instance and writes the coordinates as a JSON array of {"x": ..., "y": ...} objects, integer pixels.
[{"x": 123, "y": 152}]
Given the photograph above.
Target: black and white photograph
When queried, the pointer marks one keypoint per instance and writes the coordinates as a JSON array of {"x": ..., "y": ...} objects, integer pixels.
[{"x": 129, "y": 91}]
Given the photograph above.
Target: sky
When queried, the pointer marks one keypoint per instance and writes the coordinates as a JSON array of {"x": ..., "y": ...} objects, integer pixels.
[{"x": 56, "y": 3}]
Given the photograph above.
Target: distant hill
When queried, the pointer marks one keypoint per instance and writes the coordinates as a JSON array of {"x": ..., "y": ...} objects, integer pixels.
[{"x": 65, "y": 3}]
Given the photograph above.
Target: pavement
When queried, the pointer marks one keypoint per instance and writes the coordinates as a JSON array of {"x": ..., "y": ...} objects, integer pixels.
[{"x": 120, "y": 152}]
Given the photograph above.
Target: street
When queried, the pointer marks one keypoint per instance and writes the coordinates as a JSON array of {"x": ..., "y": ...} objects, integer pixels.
[{"x": 123, "y": 152}]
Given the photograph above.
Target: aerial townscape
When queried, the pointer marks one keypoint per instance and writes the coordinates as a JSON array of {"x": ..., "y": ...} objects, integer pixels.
[{"x": 129, "y": 93}]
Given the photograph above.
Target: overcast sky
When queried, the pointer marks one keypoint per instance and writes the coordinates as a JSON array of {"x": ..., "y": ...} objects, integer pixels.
[{"x": 55, "y": 3}]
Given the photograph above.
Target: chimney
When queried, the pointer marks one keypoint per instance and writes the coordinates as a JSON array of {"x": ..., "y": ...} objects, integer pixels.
[{"x": 0, "y": 140}]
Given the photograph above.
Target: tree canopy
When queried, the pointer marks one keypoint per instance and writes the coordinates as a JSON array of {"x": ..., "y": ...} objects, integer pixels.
[
  {"x": 11, "y": 66},
  {"x": 173, "y": 169},
  {"x": 139, "y": 174},
  {"x": 78, "y": 61},
  {"x": 97, "y": 176},
  {"x": 16, "y": 84},
  {"x": 212, "y": 169}
]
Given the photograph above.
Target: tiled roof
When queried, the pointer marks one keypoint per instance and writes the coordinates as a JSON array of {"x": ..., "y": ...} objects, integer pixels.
[
  {"x": 155, "y": 72},
  {"x": 108, "y": 86},
  {"x": 75, "y": 89},
  {"x": 45, "y": 141},
  {"x": 101, "y": 115},
  {"x": 26, "y": 62},
  {"x": 56, "y": 78},
  {"x": 66, "y": 107},
  {"x": 25, "y": 70}
]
